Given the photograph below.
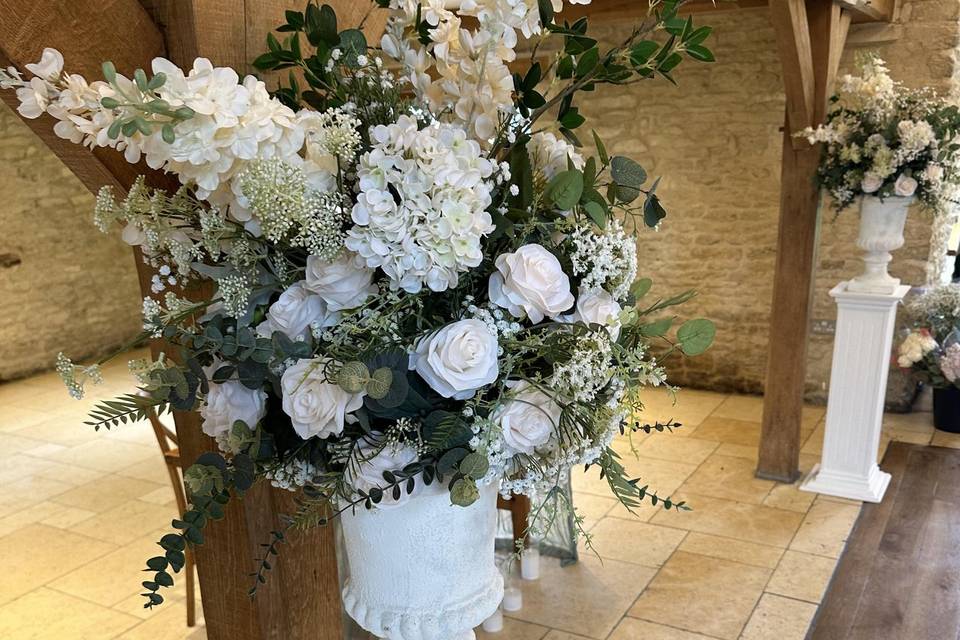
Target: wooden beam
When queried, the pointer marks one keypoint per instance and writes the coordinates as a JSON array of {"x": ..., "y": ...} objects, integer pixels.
[
  {"x": 789, "y": 18},
  {"x": 816, "y": 51},
  {"x": 862, "y": 11},
  {"x": 634, "y": 10}
]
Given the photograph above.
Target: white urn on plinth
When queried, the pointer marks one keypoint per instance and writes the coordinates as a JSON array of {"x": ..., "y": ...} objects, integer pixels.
[
  {"x": 425, "y": 569},
  {"x": 881, "y": 231}
]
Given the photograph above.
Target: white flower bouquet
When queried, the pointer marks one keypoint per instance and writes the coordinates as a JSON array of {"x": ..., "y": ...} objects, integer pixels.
[
  {"x": 387, "y": 274},
  {"x": 884, "y": 140},
  {"x": 931, "y": 349}
]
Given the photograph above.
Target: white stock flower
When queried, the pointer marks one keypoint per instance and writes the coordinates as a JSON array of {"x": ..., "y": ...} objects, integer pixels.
[
  {"x": 433, "y": 233},
  {"x": 530, "y": 282},
  {"x": 905, "y": 186},
  {"x": 34, "y": 98},
  {"x": 366, "y": 471},
  {"x": 316, "y": 407},
  {"x": 50, "y": 66},
  {"x": 528, "y": 417},
  {"x": 228, "y": 402},
  {"x": 294, "y": 312},
  {"x": 458, "y": 359},
  {"x": 871, "y": 183},
  {"x": 342, "y": 284},
  {"x": 596, "y": 306}
]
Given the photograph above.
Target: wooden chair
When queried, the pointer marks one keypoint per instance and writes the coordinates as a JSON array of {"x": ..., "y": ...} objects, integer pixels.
[
  {"x": 167, "y": 439},
  {"x": 519, "y": 508}
]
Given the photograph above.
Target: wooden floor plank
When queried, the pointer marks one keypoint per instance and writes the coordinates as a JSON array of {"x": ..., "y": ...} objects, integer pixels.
[{"x": 899, "y": 577}]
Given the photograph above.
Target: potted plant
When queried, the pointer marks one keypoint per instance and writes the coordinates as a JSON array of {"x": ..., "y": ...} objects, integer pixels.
[
  {"x": 886, "y": 146},
  {"x": 932, "y": 351},
  {"x": 387, "y": 286}
]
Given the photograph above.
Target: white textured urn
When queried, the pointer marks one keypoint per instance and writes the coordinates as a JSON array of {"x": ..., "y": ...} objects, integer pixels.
[
  {"x": 424, "y": 570},
  {"x": 881, "y": 231}
]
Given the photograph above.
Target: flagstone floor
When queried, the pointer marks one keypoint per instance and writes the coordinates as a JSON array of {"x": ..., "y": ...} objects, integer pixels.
[{"x": 80, "y": 511}]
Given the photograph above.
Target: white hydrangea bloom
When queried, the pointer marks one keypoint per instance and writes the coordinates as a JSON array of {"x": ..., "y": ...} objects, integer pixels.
[
  {"x": 551, "y": 155},
  {"x": 421, "y": 210}
]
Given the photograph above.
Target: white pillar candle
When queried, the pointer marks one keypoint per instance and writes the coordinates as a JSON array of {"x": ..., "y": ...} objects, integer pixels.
[
  {"x": 494, "y": 624},
  {"x": 512, "y": 599},
  {"x": 530, "y": 564}
]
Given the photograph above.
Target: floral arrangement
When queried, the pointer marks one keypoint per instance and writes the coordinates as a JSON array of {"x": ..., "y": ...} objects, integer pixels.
[
  {"x": 882, "y": 139},
  {"x": 398, "y": 269},
  {"x": 932, "y": 348}
]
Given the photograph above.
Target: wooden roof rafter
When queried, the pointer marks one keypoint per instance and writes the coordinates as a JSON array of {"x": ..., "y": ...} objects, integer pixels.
[{"x": 608, "y": 10}]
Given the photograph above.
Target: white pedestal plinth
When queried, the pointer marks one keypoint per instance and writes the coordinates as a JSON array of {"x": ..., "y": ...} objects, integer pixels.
[{"x": 858, "y": 382}]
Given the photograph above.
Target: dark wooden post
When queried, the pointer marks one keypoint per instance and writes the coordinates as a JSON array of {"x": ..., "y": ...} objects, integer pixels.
[
  {"x": 302, "y": 599},
  {"x": 811, "y": 35}
]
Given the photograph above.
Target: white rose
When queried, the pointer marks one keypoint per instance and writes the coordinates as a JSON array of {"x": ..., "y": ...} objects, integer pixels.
[
  {"x": 294, "y": 311},
  {"x": 528, "y": 418},
  {"x": 341, "y": 284},
  {"x": 458, "y": 359},
  {"x": 316, "y": 407},
  {"x": 914, "y": 347},
  {"x": 905, "y": 186},
  {"x": 366, "y": 471},
  {"x": 231, "y": 401},
  {"x": 871, "y": 183},
  {"x": 530, "y": 282},
  {"x": 596, "y": 306}
]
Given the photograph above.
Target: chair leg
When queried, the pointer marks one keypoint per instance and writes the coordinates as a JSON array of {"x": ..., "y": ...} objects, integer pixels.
[{"x": 191, "y": 585}]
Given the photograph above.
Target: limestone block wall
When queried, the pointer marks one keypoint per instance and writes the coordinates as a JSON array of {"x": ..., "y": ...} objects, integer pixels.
[
  {"x": 716, "y": 140},
  {"x": 64, "y": 286}
]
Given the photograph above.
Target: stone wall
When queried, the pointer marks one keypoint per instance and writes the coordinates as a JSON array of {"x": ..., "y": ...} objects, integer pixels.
[
  {"x": 716, "y": 140},
  {"x": 64, "y": 286}
]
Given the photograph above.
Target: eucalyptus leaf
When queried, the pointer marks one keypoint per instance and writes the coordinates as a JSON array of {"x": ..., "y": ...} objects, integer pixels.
[
  {"x": 696, "y": 336},
  {"x": 565, "y": 189},
  {"x": 464, "y": 492}
]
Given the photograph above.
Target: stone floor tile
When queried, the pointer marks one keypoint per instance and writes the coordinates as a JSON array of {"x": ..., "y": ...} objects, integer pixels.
[
  {"x": 594, "y": 595},
  {"x": 705, "y": 595},
  {"x": 825, "y": 528},
  {"x": 802, "y": 576},
  {"x": 729, "y": 478},
  {"x": 944, "y": 439},
  {"x": 758, "y": 555},
  {"x": 514, "y": 629},
  {"x": 28, "y": 491},
  {"x": 741, "y": 408},
  {"x": 13, "y": 419},
  {"x": 730, "y": 430},
  {"x": 45, "y": 614},
  {"x": 18, "y": 467},
  {"x": 108, "y": 492},
  {"x": 153, "y": 469},
  {"x": 562, "y": 635},
  {"x": 666, "y": 446},
  {"x": 127, "y": 522},
  {"x": 94, "y": 455},
  {"x": 113, "y": 577},
  {"x": 168, "y": 622},
  {"x": 634, "y": 541},
  {"x": 789, "y": 497},
  {"x": 36, "y": 554},
  {"x": 739, "y": 520},
  {"x": 662, "y": 476},
  {"x": 11, "y": 443},
  {"x": 777, "y": 618},
  {"x": 689, "y": 407},
  {"x": 634, "y": 629},
  {"x": 592, "y": 508},
  {"x": 27, "y": 516}
]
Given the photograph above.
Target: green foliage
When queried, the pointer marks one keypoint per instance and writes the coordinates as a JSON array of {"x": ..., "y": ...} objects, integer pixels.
[
  {"x": 127, "y": 408},
  {"x": 696, "y": 336}
]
